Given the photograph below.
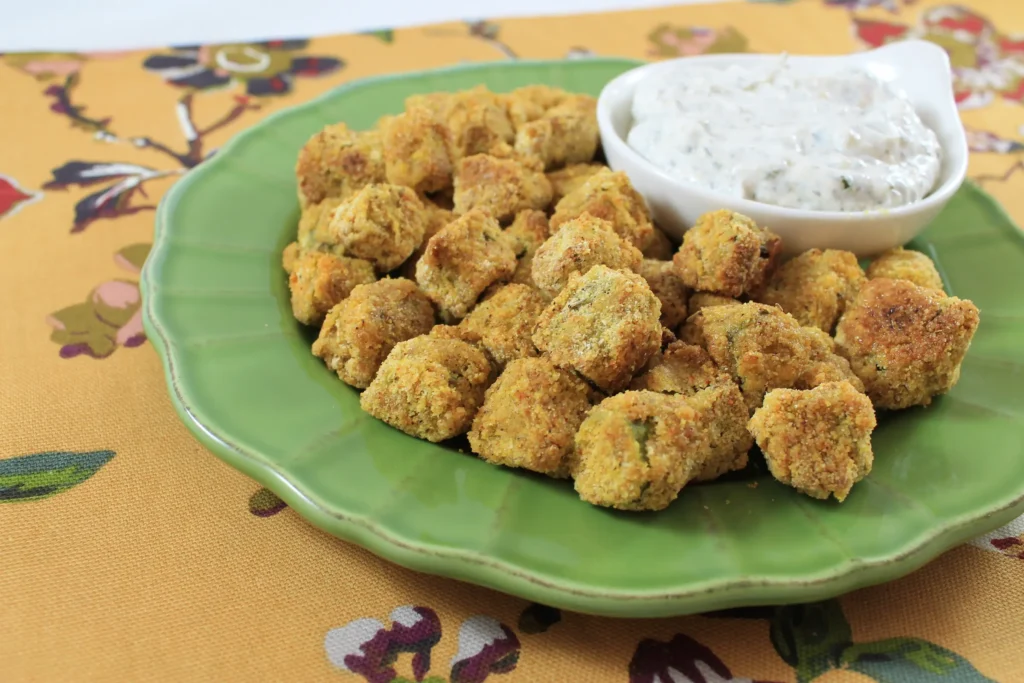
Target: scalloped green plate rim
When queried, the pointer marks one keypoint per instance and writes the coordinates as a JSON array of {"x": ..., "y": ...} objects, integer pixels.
[{"x": 241, "y": 376}]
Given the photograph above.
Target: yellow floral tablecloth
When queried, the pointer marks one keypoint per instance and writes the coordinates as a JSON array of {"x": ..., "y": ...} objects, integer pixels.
[{"x": 129, "y": 553}]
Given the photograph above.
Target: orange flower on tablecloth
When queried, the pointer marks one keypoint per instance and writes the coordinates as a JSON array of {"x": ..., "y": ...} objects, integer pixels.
[{"x": 987, "y": 63}]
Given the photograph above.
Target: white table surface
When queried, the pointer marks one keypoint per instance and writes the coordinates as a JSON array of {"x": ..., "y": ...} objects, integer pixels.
[{"x": 91, "y": 25}]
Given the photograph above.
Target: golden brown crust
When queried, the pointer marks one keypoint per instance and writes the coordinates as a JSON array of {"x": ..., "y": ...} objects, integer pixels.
[
  {"x": 906, "y": 264},
  {"x": 579, "y": 245},
  {"x": 636, "y": 451},
  {"x": 530, "y": 102},
  {"x": 680, "y": 368},
  {"x": 289, "y": 256},
  {"x": 319, "y": 281},
  {"x": 501, "y": 187},
  {"x": 528, "y": 231},
  {"x": 477, "y": 121},
  {"x": 436, "y": 217},
  {"x": 604, "y": 325},
  {"x": 722, "y": 418},
  {"x": 572, "y": 177},
  {"x": 699, "y": 300},
  {"x": 429, "y": 387},
  {"x": 504, "y": 322},
  {"x": 815, "y": 286},
  {"x": 660, "y": 248},
  {"x": 817, "y": 441},
  {"x": 727, "y": 253},
  {"x": 530, "y": 416},
  {"x": 608, "y": 195},
  {"x": 462, "y": 260},
  {"x": 905, "y": 342},
  {"x": 666, "y": 284},
  {"x": 764, "y": 348},
  {"x": 416, "y": 151},
  {"x": 338, "y": 161},
  {"x": 359, "y": 332},
  {"x": 565, "y": 134},
  {"x": 314, "y": 224},
  {"x": 381, "y": 223}
]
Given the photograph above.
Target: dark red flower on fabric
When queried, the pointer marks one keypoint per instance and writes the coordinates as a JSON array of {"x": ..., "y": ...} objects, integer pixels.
[
  {"x": 680, "y": 659},
  {"x": 366, "y": 647},
  {"x": 12, "y": 197},
  {"x": 486, "y": 647}
]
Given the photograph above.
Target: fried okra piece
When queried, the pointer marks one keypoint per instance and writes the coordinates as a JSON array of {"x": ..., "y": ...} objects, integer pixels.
[
  {"x": 416, "y": 151},
  {"x": 501, "y": 187},
  {"x": 699, "y": 300},
  {"x": 571, "y": 178},
  {"x": 906, "y": 264},
  {"x": 680, "y": 368},
  {"x": 504, "y": 322},
  {"x": 462, "y": 260},
  {"x": 722, "y": 420},
  {"x": 436, "y": 218},
  {"x": 531, "y": 102},
  {"x": 579, "y": 245},
  {"x": 764, "y": 348},
  {"x": 660, "y": 248},
  {"x": 565, "y": 134},
  {"x": 727, "y": 253},
  {"x": 381, "y": 223},
  {"x": 610, "y": 196},
  {"x": 636, "y": 451},
  {"x": 664, "y": 281},
  {"x": 290, "y": 256},
  {"x": 905, "y": 342},
  {"x": 530, "y": 416},
  {"x": 429, "y": 387},
  {"x": 337, "y": 161},
  {"x": 528, "y": 231},
  {"x": 319, "y": 281},
  {"x": 815, "y": 286},
  {"x": 314, "y": 225},
  {"x": 359, "y": 332},
  {"x": 817, "y": 441},
  {"x": 604, "y": 324},
  {"x": 477, "y": 121}
]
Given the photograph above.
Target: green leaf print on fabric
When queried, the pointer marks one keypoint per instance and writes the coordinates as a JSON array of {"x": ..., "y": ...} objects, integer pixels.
[
  {"x": 816, "y": 638},
  {"x": 385, "y": 35},
  {"x": 909, "y": 660},
  {"x": 38, "y": 476}
]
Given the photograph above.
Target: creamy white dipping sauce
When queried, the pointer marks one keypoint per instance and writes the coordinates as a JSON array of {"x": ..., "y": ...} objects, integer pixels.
[{"x": 841, "y": 141}]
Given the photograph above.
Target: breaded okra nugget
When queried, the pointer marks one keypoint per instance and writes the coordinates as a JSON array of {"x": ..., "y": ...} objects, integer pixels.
[
  {"x": 664, "y": 281},
  {"x": 699, "y": 300},
  {"x": 528, "y": 231},
  {"x": 530, "y": 102},
  {"x": 319, "y": 281},
  {"x": 436, "y": 218},
  {"x": 906, "y": 264},
  {"x": 314, "y": 225},
  {"x": 462, "y": 260},
  {"x": 817, "y": 441},
  {"x": 722, "y": 420},
  {"x": 727, "y": 253},
  {"x": 604, "y": 324},
  {"x": 905, "y": 342},
  {"x": 338, "y": 161},
  {"x": 764, "y": 348},
  {"x": 815, "y": 286},
  {"x": 416, "y": 151},
  {"x": 568, "y": 179},
  {"x": 610, "y": 196},
  {"x": 501, "y": 187},
  {"x": 504, "y": 321},
  {"x": 477, "y": 120},
  {"x": 636, "y": 451},
  {"x": 530, "y": 416},
  {"x": 660, "y": 248},
  {"x": 429, "y": 387},
  {"x": 680, "y": 368},
  {"x": 579, "y": 245},
  {"x": 359, "y": 332},
  {"x": 565, "y": 134},
  {"x": 381, "y": 223}
]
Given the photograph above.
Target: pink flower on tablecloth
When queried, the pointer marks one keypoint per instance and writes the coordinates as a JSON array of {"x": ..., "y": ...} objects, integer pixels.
[
  {"x": 986, "y": 62},
  {"x": 668, "y": 40},
  {"x": 368, "y": 648}
]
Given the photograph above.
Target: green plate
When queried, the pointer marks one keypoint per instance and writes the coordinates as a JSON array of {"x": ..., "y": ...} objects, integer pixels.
[{"x": 244, "y": 381}]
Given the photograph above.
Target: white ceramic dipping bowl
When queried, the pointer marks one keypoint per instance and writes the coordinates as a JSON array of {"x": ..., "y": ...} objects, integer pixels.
[{"x": 918, "y": 68}]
